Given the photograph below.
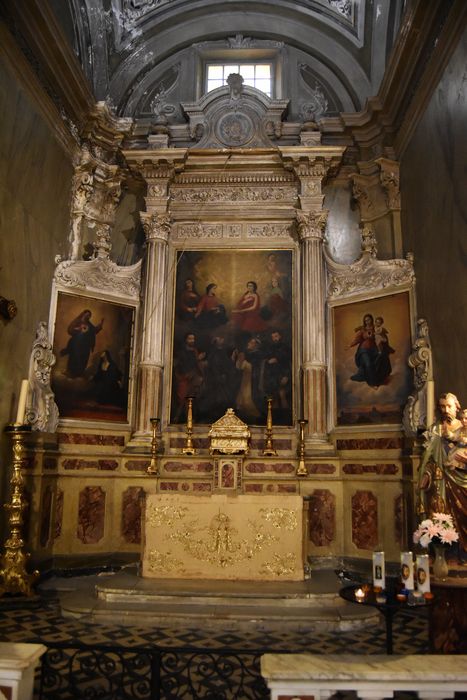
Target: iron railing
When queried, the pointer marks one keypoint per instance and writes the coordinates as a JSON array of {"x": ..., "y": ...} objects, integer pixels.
[{"x": 105, "y": 672}]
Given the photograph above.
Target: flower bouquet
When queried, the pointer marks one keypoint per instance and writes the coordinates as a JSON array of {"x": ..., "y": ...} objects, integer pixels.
[{"x": 438, "y": 530}]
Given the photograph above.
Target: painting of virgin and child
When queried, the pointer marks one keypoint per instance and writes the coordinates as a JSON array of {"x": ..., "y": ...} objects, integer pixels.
[
  {"x": 92, "y": 343},
  {"x": 232, "y": 342},
  {"x": 372, "y": 342}
]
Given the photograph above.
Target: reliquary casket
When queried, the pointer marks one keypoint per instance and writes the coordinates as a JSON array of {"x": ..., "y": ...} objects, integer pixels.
[{"x": 229, "y": 435}]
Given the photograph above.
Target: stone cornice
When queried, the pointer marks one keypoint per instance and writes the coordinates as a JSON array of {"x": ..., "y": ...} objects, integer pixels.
[
  {"x": 428, "y": 36},
  {"x": 30, "y": 82}
]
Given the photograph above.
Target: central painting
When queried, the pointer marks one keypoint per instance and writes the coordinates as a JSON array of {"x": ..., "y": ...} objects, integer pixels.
[{"x": 232, "y": 343}]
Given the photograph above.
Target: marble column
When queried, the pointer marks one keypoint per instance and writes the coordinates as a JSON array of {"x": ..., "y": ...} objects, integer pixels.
[
  {"x": 311, "y": 227},
  {"x": 151, "y": 367}
]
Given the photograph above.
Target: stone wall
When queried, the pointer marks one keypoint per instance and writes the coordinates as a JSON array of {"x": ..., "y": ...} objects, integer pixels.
[
  {"x": 35, "y": 177},
  {"x": 434, "y": 217}
]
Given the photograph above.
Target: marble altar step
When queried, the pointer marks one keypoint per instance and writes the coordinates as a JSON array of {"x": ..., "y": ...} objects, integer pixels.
[{"x": 311, "y": 605}]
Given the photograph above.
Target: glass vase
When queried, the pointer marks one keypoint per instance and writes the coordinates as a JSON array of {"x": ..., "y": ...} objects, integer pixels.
[{"x": 440, "y": 565}]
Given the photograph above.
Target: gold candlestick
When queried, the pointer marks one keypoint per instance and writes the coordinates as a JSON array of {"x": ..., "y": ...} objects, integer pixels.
[
  {"x": 189, "y": 448},
  {"x": 269, "y": 450},
  {"x": 13, "y": 562},
  {"x": 153, "y": 465},
  {"x": 301, "y": 469}
]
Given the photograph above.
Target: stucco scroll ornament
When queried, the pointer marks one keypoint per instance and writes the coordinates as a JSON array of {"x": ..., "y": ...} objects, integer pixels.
[
  {"x": 420, "y": 360},
  {"x": 42, "y": 413},
  {"x": 100, "y": 275},
  {"x": 368, "y": 274}
]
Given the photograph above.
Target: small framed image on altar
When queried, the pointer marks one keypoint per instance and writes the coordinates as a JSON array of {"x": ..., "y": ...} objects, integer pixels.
[
  {"x": 92, "y": 343},
  {"x": 227, "y": 473},
  {"x": 232, "y": 342},
  {"x": 372, "y": 342}
]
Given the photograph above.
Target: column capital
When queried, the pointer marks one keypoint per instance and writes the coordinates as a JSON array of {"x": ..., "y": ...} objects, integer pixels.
[
  {"x": 311, "y": 224},
  {"x": 156, "y": 226}
]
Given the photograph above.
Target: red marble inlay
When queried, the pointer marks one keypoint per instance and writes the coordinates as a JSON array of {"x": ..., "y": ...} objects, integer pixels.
[
  {"x": 99, "y": 464},
  {"x": 131, "y": 514},
  {"x": 58, "y": 514},
  {"x": 202, "y": 486},
  {"x": 370, "y": 468},
  {"x": 399, "y": 519},
  {"x": 169, "y": 485},
  {"x": 50, "y": 463},
  {"x": 29, "y": 461},
  {"x": 365, "y": 520},
  {"x": 91, "y": 514},
  {"x": 199, "y": 467},
  {"x": 198, "y": 442},
  {"x": 137, "y": 465},
  {"x": 389, "y": 443},
  {"x": 88, "y": 439},
  {"x": 286, "y": 488},
  {"x": 270, "y": 488},
  {"x": 253, "y": 488},
  {"x": 320, "y": 468},
  {"x": 272, "y": 467},
  {"x": 322, "y": 517},
  {"x": 6, "y": 691},
  {"x": 46, "y": 510},
  {"x": 258, "y": 444}
]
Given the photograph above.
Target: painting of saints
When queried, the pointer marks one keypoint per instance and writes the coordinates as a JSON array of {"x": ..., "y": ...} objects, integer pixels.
[
  {"x": 233, "y": 325},
  {"x": 91, "y": 377},
  {"x": 372, "y": 376}
]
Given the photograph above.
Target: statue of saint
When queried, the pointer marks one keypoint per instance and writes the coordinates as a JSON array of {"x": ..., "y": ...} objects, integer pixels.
[{"x": 443, "y": 470}]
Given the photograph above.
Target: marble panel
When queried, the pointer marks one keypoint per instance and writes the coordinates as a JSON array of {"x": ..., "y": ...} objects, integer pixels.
[
  {"x": 389, "y": 443},
  {"x": 46, "y": 509},
  {"x": 365, "y": 520},
  {"x": 270, "y": 467},
  {"x": 58, "y": 520},
  {"x": 370, "y": 469},
  {"x": 131, "y": 514},
  {"x": 137, "y": 465},
  {"x": 98, "y": 464},
  {"x": 90, "y": 439},
  {"x": 320, "y": 468},
  {"x": 322, "y": 517},
  {"x": 91, "y": 515}
]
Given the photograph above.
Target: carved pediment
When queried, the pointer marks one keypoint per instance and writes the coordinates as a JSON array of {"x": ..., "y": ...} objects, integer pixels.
[
  {"x": 100, "y": 275},
  {"x": 235, "y": 116}
]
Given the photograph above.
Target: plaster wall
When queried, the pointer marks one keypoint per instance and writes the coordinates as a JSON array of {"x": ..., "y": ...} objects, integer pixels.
[
  {"x": 434, "y": 219},
  {"x": 35, "y": 179}
]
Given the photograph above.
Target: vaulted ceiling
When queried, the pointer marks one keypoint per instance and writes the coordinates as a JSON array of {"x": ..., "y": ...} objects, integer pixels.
[{"x": 127, "y": 48}]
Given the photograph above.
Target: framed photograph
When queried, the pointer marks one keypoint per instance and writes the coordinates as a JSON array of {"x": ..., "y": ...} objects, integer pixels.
[
  {"x": 372, "y": 342},
  {"x": 92, "y": 344},
  {"x": 232, "y": 335}
]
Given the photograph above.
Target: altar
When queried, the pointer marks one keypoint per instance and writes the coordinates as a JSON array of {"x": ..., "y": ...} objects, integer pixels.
[{"x": 243, "y": 537}]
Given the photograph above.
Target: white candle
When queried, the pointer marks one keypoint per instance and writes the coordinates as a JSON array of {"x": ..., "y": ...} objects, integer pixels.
[
  {"x": 23, "y": 395},
  {"x": 359, "y": 594}
]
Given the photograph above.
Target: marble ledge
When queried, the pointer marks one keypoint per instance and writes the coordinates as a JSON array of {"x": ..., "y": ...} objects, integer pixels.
[
  {"x": 347, "y": 667},
  {"x": 20, "y": 655}
]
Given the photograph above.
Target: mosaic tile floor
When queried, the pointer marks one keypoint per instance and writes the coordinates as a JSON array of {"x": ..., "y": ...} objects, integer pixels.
[{"x": 40, "y": 620}]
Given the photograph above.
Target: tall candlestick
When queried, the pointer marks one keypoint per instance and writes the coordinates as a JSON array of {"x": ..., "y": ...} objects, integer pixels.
[
  {"x": 153, "y": 467},
  {"x": 189, "y": 447},
  {"x": 23, "y": 395},
  {"x": 269, "y": 450},
  {"x": 302, "y": 470}
]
